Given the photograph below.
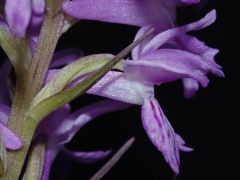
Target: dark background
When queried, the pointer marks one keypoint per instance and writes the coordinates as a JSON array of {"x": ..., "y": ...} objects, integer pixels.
[{"x": 206, "y": 122}]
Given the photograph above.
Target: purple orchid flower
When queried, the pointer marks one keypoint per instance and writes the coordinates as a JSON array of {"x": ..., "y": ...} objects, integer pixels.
[
  {"x": 173, "y": 47},
  {"x": 60, "y": 127},
  {"x": 158, "y": 60}
]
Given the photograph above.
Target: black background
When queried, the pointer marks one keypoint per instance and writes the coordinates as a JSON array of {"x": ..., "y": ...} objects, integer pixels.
[{"x": 206, "y": 122}]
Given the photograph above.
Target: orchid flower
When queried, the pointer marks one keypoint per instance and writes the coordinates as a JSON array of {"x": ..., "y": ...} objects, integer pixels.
[
  {"x": 173, "y": 47},
  {"x": 60, "y": 127},
  {"x": 154, "y": 64},
  {"x": 166, "y": 55}
]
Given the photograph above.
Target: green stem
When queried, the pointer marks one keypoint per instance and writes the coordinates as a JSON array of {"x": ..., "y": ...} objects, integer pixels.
[
  {"x": 50, "y": 33},
  {"x": 29, "y": 82}
]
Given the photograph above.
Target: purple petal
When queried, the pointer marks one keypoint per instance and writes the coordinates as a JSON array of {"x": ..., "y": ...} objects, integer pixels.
[
  {"x": 88, "y": 157},
  {"x": 167, "y": 65},
  {"x": 11, "y": 141},
  {"x": 71, "y": 124},
  {"x": 115, "y": 86},
  {"x": 65, "y": 57},
  {"x": 191, "y": 86},
  {"x": 50, "y": 155},
  {"x": 195, "y": 46},
  {"x": 18, "y": 15},
  {"x": 131, "y": 12},
  {"x": 165, "y": 36},
  {"x": 160, "y": 132},
  {"x": 52, "y": 121}
]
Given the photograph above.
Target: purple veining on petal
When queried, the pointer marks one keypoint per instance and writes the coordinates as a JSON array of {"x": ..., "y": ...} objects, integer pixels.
[{"x": 163, "y": 136}]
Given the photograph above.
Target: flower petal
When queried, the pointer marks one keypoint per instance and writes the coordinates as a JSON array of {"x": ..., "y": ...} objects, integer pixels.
[
  {"x": 181, "y": 144},
  {"x": 195, "y": 46},
  {"x": 167, "y": 65},
  {"x": 165, "y": 36},
  {"x": 18, "y": 15},
  {"x": 11, "y": 141},
  {"x": 88, "y": 157},
  {"x": 160, "y": 132},
  {"x": 50, "y": 155},
  {"x": 75, "y": 121},
  {"x": 131, "y": 12},
  {"x": 115, "y": 86}
]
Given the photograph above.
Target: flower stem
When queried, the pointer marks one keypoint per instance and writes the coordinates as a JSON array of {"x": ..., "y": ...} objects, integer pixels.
[
  {"x": 29, "y": 82},
  {"x": 50, "y": 33}
]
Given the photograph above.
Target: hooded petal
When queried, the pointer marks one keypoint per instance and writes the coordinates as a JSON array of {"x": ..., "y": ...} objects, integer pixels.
[
  {"x": 87, "y": 157},
  {"x": 167, "y": 65},
  {"x": 18, "y": 14},
  {"x": 160, "y": 132},
  {"x": 11, "y": 141},
  {"x": 131, "y": 12},
  {"x": 115, "y": 86},
  {"x": 75, "y": 121}
]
